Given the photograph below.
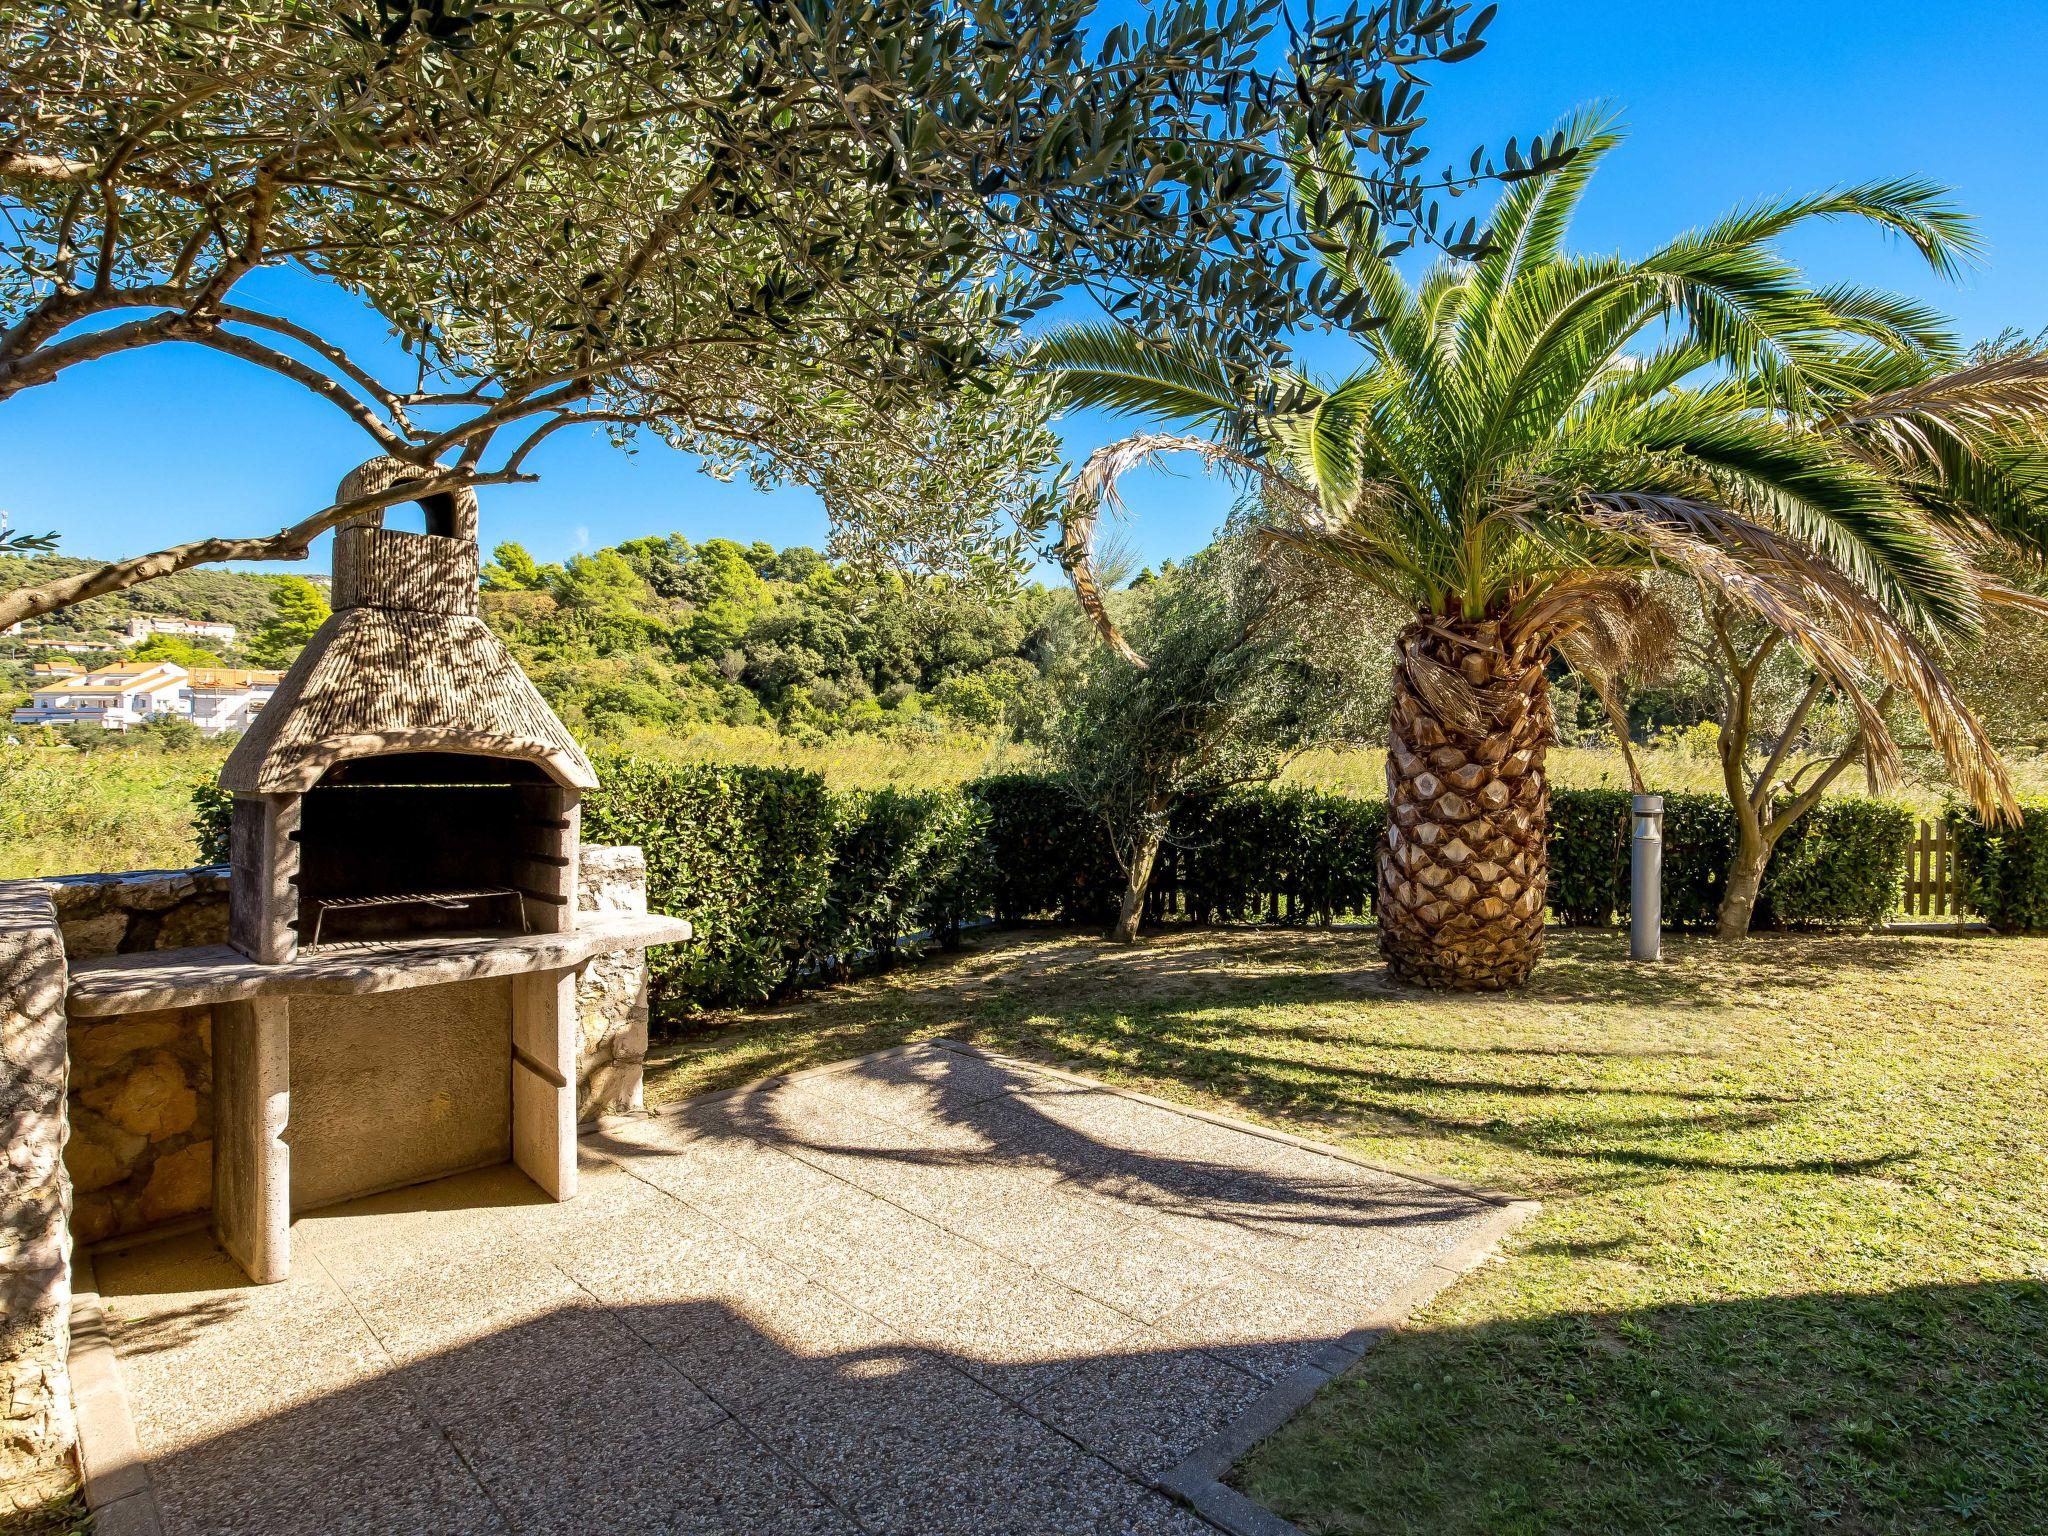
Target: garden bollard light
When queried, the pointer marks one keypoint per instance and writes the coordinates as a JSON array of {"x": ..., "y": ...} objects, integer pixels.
[{"x": 1646, "y": 883}]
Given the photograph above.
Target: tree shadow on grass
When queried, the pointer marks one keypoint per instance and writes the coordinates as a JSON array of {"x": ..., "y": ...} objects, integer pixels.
[{"x": 1921, "y": 1408}]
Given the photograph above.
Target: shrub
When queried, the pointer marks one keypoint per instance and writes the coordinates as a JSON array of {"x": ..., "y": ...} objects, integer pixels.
[
  {"x": 1839, "y": 865},
  {"x": 900, "y": 861},
  {"x": 1294, "y": 855},
  {"x": 2003, "y": 870},
  {"x": 781, "y": 877},
  {"x": 1589, "y": 831},
  {"x": 1283, "y": 855},
  {"x": 213, "y": 816},
  {"x": 743, "y": 853},
  {"x": 1699, "y": 844},
  {"x": 1842, "y": 863},
  {"x": 1048, "y": 856}
]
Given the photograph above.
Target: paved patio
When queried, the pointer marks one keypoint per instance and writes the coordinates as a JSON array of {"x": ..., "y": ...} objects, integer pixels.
[{"x": 925, "y": 1292}]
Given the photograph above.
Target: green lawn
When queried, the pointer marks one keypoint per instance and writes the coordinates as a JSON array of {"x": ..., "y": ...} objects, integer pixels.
[{"x": 1791, "y": 1272}]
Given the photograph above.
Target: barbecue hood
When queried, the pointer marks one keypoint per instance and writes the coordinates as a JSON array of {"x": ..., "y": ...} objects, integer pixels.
[
  {"x": 407, "y": 777},
  {"x": 405, "y": 664}
]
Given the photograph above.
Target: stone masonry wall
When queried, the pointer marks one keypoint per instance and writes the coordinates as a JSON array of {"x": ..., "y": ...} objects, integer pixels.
[
  {"x": 35, "y": 1250},
  {"x": 141, "y": 1149},
  {"x": 611, "y": 994},
  {"x": 146, "y": 909}
]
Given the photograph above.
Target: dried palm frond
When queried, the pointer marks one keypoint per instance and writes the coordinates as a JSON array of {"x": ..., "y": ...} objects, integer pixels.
[
  {"x": 1607, "y": 626},
  {"x": 1831, "y": 621},
  {"x": 1984, "y": 398},
  {"x": 1094, "y": 487},
  {"x": 1997, "y": 595}
]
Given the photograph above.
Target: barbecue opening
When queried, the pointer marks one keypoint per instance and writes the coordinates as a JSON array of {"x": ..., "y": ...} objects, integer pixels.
[{"x": 411, "y": 845}]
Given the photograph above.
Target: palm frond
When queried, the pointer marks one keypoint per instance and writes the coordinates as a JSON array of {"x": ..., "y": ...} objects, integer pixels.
[
  {"x": 1108, "y": 366},
  {"x": 1983, "y": 398},
  {"x": 1912, "y": 207},
  {"x": 1847, "y": 510},
  {"x": 1526, "y": 232},
  {"x": 1833, "y": 623},
  {"x": 1094, "y": 489}
]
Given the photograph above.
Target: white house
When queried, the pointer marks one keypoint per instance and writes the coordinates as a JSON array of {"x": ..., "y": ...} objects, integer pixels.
[
  {"x": 116, "y": 697},
  {"x": 216, "y": 699},
  {"x": 142, "y": 625},
  {"x": 228, "y": 698}
]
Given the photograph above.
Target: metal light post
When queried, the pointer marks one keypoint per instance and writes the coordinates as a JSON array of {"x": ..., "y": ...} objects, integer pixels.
[{"x": 1646, "y": 880}]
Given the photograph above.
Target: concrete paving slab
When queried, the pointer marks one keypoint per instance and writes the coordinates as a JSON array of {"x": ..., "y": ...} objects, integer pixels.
[
  {"x": 1147, "y": 1401},
  {"x": 416, "y": 1482},
  {"x": 932, "y": 1291}
]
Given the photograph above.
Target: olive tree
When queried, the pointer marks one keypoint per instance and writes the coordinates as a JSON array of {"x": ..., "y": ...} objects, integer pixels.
[
  {"x": 1244, "y": 668},
  {"x": 791, "y": 235}
]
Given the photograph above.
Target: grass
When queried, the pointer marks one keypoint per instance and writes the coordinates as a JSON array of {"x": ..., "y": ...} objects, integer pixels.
[
  {"x": 935, "y": 761},
  {"x": 65, "y": 812},
  {"x": 1791, "y": 1271},
  {"x": 62, "y": 1514}
]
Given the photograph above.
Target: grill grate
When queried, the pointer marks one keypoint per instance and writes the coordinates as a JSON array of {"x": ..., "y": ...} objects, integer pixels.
[{"x": 446, "y": 900}]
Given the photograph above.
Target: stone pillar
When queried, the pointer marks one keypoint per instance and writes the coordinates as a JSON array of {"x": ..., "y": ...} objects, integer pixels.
[
  {"x": 263, "y": 843},
  {"x": 252, "y": 1169},
  {"x": 611, "y": 993},
  {"x": 36, "y": 1431},
  {"x": 543, "y": 1089}
]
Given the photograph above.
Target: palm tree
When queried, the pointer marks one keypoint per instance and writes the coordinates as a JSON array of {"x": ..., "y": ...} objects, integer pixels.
[{"x": 1531, "y": 433}]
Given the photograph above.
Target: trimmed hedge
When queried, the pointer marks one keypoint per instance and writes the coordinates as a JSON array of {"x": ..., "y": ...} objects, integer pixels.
[
  {"x": 785, "y": 880},
  {"x": 782, "y": 878},
  {"x": 1843, "y": 864},
  {"x": 2004, "y": 870},
  {"x": 1277, "y": 855},
  {"x": 743, "y": 853},
  {"x": 900, "y": 862},
  {"x": 1291, "y": 855},
  {"x": 1048, "y": 852}
]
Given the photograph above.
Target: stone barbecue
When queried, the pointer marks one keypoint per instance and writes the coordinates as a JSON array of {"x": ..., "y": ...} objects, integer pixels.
[{"x": 397, "y": 997}]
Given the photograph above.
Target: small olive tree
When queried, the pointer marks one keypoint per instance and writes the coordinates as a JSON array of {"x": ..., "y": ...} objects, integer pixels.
[{"x": 1242, "y": 671}]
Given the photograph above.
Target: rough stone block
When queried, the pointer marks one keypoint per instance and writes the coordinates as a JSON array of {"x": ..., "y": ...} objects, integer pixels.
[
  {"x": 35, "y": 1197},
  {"x": 611, "y": 992}
]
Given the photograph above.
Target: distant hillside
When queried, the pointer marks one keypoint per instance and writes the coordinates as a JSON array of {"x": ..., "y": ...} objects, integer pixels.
[{"x": 229, "y": 597}]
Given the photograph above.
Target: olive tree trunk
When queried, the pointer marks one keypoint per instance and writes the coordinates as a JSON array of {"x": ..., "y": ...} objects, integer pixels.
[
  {"x": 1464, "y": 866},
  {"x": 1138, "y": 869},
  {"x": 1745, "y": 882}
]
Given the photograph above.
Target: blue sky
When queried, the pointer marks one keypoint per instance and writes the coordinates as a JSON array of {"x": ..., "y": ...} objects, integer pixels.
[{"x": 1725, "y": 104}]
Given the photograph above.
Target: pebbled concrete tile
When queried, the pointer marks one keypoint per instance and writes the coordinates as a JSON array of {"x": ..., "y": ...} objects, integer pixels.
[
  {"x": 575, "y": 1463},
  {"x": 1143, "y": 1271},
  {"x": 928, "y": 1294},
  {"x": 926, "y": 1452},
  {"x": 574, "y": 1350},
  {"x": 364, "y": 1468},
  {"x": 1261, "y": 1324},
  {"x": 1148, "y": 1403}
]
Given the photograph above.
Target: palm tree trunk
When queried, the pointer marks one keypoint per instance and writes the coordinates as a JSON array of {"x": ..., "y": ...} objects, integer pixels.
[{"x": 1464, "y": 867}]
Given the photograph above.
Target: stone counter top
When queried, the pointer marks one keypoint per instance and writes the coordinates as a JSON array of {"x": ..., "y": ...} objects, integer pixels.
[{"x": 214, "y": 973}]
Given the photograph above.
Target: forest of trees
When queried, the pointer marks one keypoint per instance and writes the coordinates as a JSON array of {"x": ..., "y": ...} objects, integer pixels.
[
  {"x": 661, "y": 634},
  {"x": 665, "y": 633}
]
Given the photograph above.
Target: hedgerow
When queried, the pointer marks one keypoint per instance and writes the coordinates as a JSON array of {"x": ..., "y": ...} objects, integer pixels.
[
  {"x": 2004, "y": 870},
  {"x": 784, "y": 880}
]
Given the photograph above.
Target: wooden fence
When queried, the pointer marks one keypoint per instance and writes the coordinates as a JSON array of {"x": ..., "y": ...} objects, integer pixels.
[{"x": 1932, "y": 889}]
